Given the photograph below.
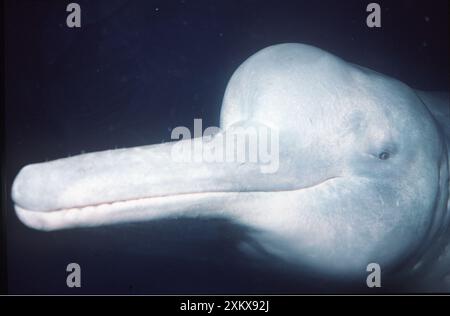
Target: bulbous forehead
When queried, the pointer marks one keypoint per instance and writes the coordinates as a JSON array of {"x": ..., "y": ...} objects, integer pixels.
[
  {"x": 275, "y": 80},
  {"x": 294, "y": 85}
]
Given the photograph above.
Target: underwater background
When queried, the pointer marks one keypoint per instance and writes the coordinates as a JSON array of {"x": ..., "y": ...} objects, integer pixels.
[{"x": 137, "y": 69}]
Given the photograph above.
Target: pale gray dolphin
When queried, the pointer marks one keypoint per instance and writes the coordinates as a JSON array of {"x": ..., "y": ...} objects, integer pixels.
[{"x": 363, "y": 171}]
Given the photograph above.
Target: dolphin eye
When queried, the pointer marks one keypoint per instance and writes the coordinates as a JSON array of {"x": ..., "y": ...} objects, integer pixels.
[{"x": 384, "y": 155}]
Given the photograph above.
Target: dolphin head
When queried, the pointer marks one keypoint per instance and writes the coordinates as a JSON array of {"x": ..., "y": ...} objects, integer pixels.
[
  {"x": 362, "y": 174},
  {"x": 366, "y": 162}
]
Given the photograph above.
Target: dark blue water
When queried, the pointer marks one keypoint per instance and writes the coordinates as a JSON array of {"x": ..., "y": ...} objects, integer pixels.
[{"x": 135, "y": 70}]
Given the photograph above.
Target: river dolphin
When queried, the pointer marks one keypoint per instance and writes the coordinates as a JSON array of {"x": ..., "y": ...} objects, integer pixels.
[{"x": 363, "y": 172}]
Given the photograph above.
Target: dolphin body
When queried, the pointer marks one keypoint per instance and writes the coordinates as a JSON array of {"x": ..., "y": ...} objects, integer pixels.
[{"x": 363, "y": 172}]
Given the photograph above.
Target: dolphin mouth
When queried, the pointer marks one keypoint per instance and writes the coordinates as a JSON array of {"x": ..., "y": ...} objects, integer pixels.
[
  {"x": 17, "y": 205},
  {"x": 111, "y": 203},
  {"x": 146, "y": 208}
]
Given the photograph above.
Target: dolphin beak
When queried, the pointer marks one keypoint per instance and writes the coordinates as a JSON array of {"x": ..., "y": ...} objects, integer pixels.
[{"x": 126, "y": 185}]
